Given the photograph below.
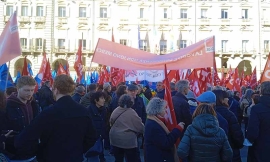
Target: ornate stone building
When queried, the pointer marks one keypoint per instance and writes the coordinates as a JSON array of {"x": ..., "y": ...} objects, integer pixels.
[{"x": 241, "y": 28}]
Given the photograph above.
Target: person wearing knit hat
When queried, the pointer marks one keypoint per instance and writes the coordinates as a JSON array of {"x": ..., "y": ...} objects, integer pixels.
[
  {"x": 210, "y": 98},
  {"x": 106, "y": 86}
]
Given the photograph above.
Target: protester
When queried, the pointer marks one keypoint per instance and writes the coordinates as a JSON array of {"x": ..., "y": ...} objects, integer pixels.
[
  {"x": 236, "y": 96},
  {"x": 98, "y": 114},
  {"x": 204, "y": 140},
  {"x": 122, "y": 89},
  {"x": 107, "y": 91},
  {"x": 234, "y": 105},
  {"x": 79, "y": 92},
  {"x": 258, "y": 132},
  {"x": 45, "y": 96},
  {"x": 85, "y": 100},
  {"x": 21, "y": 109},
  {"x": 141, "y": 94},
  {"x": 180, "y": 103},
  {"x": 173, "y": 90},
  {"x": 191, "y": 101},
  {"x": 10, "y": 90},
  {"x": 235, "y": 134},
  {"x": 65, "y": 129},
  {"x": 246, "y": 102},
  {"x": 125, "y": 127},
  {"x": 147, "y": 92},
  {"x": 159, "y": 142},
  {"x": 160, "y": 90}
]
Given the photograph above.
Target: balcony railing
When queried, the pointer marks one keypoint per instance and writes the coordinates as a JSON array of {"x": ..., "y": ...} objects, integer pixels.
[
  {"x": 40, "y": 19},
  {"x": 204, "y": 21},
  {"x": 62, "y": 20},
  {"x": 83, "y": 20},
  {"x": 184, "y": 21},
  {"x": 225, "y": 21},
  {"x": 25, "y": 19}
]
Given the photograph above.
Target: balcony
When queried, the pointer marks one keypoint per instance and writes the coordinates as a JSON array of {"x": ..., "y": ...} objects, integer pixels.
[
  {"x": 25, "y": 49},
  {"x": 165, "y": 21},
  {"x": 40, "y": 19},
  {"x": 204, "y": 21},
  {"x": 246, "y": 21},
  {"x": 225, "y": 21},
  {"x": 60, "y": 49},
  {"x": 62, "y": 20},
  {"x": 266, "y": 23},
  {"x": 143, "y": 20},
  {"x": 24, "y": 19},
  {"x": 123, "y": 20},
  {"x": 103, "y": 20},
  {"x": 184, "y": 21},
  {"x": 83, "y": 21},
  {"x": 38, "y": 48}
]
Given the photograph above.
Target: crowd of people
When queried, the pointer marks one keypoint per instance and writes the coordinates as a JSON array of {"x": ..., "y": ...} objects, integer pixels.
[{"x": 73, "y": 123}]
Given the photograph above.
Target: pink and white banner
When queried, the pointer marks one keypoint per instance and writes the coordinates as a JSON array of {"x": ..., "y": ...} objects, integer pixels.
[
  {"x": 10, "y": 46},
  {"x": 198, "y": 55}
]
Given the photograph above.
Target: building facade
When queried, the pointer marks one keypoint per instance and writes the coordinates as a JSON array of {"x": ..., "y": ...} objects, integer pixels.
[{"x": 241, "y": 28}]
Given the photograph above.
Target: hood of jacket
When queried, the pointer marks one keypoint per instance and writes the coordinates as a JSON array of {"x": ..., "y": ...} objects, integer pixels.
[
  {"x": 206, "y": 124},
  {"x": 192, "y": 103},
  {"x": 14, "y": 101}
]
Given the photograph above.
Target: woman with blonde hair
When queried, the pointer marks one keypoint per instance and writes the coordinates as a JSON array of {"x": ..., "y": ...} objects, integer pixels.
[{"x": 204, "y": 140}]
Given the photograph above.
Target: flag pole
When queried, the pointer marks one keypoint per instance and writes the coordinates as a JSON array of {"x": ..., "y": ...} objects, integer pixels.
[
  {"x": 214, "y": 61},
  {"x": 7, "y": 75}
]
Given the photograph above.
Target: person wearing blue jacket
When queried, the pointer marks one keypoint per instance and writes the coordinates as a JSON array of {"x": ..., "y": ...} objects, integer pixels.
[
  {"x": 210, "y": 98},
  {"x": 204, "y": 140}
]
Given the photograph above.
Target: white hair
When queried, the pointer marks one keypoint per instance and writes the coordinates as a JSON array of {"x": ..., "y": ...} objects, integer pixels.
[{"x": 155, "y": 106}]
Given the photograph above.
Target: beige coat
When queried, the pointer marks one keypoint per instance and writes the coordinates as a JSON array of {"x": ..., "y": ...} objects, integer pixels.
[{"x": 123, "y": 133}]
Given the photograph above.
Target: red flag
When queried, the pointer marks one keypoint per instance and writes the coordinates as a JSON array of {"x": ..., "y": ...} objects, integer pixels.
[
  {"x": 205, "y": 78},
  {"x": 170, "y": 114},
  {"x": 25, "y": 71},
  {"x": 253, "y": 79},
  {"x": 78, "y": 66},
  {"x": 104, "y": 75},
  {"x": 234, "y": 83},
  {"x": 61, "y": 70},
  {"x": 194, "y": 82},
  {"x": 43, "y": 64},
  {"x": 266, "y": 72},
  {"x": 47, "y": 75},
  {"x": 216, "y": 77},
  {"x": 10, "y": 46},
  {"x": 117, "y": 76},
  {"x": 173, "y": 76}
]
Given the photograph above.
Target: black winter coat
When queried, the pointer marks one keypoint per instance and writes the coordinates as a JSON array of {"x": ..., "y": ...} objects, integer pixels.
[
  {"x": 182, "y": 109},
  {"x": 258, "y": 131},
  {"x": 205, "y": 141},
  {"x": 235, "y": 134},
  {"x": 65, "y": 131},
  {"x": 139, "y": 108}
]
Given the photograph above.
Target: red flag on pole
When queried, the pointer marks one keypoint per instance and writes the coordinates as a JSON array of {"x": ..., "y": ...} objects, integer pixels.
[
  {"x": 47, "y": 75},
  {"x": 10, "y": 46},
  {"x": 78, "y": 66},
  {"x": 25, "y": 71},
  {"x": 253, "y": 79}
]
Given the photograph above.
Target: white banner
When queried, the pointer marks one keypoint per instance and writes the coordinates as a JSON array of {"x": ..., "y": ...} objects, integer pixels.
[{"x": 149, "y": 75}]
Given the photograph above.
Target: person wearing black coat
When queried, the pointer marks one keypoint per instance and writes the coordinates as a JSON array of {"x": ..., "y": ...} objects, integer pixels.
[
  {"x": 98, "y": 114},
  {"x": 79, "y": 93},
  {"x": 235, "y": 134},
  {"x": 258, "y": 131},
  {"x": 45, "y": 96},
  {"x": 65, "y": 129},
  {"x": 180, "y": 103}
]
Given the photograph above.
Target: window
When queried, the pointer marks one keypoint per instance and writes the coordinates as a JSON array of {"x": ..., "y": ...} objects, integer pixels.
[
  {"x": 244, "y": 45},
  {"x": 264, "y": 14},
  {"x": 61, "y": 43},
  {"x": 39, "y": 44},
  {"x": 82, "y": 11},
  {"x": 224, "y": 45},
  {"x": 183, "y": 44},
  {"x": 61, "y": 11},
  {"x": 103, "y": 12},
  {"x": 123, "y": 41},
  {"x": 165, "y": 13},
  {"x": 163, "y": 46},
  {"x": 39, "y": 11},
  {"x": 23, "y": 43},
  {"x": 266, "y": 45},
  {"x": 224, "y": 14},
  {"x": 9, "y": 11},
  {"x": 83, "y": 43},
  {"x": 183, "y": 13},
  {"x": 143, "y": 45},
  {"x": 24, "y": 11},
  {"x": 244, "y": 13},
  {"x": 203, "y": 13},
  {"x": 141, "y": 12}
]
